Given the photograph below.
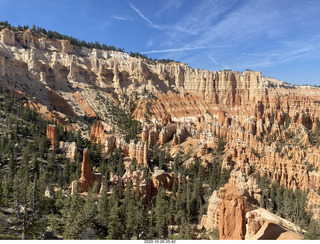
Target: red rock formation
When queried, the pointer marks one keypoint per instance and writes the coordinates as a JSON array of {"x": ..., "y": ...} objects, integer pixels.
[
  {"x": 70, "y": 149},
  {"x": 204, "y": 150},
  {"x": 232, "y": 219},
  {"x": 98, "y": 134},
  {"x": 180, "y": 135},
  {"x": 110, "y": 143},
  {"x": 59, "y": 103},
  {"x": 175, "y": 140},
  {"x": 167, "y": 119},
  {"x": 166, "y": 133},
  {"x": 152, "y": 138},
  {"x": 50, "y": 115},
  {"x": 121, "y": 143},
  {"x": 255, "y": 223},
  {"x": 52, "y": 134},
  {"x": 145, "y": 133},
  {"x": 249, "y": 111},
  {"x": 87, "y": 179},
  {"x": 138, "y": 178},
  {"x": 139, "y": 152},
  {"x": 160, "y": 179},
  {"x": 210, "y": 221},
  {"x": 263, "y": 225},
  {"x": 84, "y": 105}
]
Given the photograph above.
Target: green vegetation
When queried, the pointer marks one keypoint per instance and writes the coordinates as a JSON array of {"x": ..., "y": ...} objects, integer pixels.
[
  {"x": 124, "y": 122},
  {"x": 29, "y": 168},
  {"x": 313, "y": 231},
  {"x": 314, "y": 135},
  {"x": 284, "y": 202}
]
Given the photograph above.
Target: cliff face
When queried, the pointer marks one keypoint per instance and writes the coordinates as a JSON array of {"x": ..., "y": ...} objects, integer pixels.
[
  {"x": 232, "y": 211},
  {"x": 249, "y": 110},
  {"x": 85, "y": 78}
]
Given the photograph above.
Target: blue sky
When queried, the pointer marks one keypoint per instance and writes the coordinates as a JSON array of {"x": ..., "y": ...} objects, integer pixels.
[{"x": 281, "y": 38}]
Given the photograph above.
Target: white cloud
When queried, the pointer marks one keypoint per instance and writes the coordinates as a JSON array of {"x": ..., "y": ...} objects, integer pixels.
[
  {"x": 298, "y": 50},
  {"x": 244, "y": 34},
  {"x": 168, "y": 6},
  {"x": 217, "y": 63},
  {"x": 121, "y": 18},
  {"x": 151, "y": 24},
  {"x": 174, "y": 50}
]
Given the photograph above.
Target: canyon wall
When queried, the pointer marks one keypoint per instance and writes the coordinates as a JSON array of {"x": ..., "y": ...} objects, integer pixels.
[{"x": 267, "y": 125}]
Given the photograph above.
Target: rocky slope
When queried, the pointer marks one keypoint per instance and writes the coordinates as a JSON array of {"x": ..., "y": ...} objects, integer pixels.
[{"x": 267, "y": 124}]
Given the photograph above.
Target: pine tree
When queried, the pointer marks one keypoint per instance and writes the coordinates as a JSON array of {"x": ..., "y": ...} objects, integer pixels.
[
  {"x": 1, "y": 189},
  {"x": 89, "y": 208},
  {"x": 79, "y": 139},
  {"x": 273, "y": 194},
  {"x": 73, "y": 212},
  {"x": 103, "y": 209},
  {"x": 161, "y": 214},
  {"x": 313, "y": 231},
  {"x": 131, "y": 223},
  {"x": 115, "y": 227},
  {"x": 6, "y": 186},
  {"x": 288, "y": 204},
  {"x": 279, "y": 201},
  {"x": 12, "y": 167},
  {"x": 181, "y": 205},
  {"x": 141, "y": 216},
  {"x": 224, "y": 177}
]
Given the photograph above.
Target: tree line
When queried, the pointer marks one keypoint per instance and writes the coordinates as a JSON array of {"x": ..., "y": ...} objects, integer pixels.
[{"x": 80, "y": 43}]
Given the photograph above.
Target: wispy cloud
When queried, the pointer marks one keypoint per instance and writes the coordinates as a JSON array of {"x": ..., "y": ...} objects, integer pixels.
[
  {"x": 174, "y": 50},
  {"x": 248, "y": 34},
  {"x": 121, "y": 18},
  {"x": 217, "y": 63},
  {"x": 298, "y": 50},
  {"x": 169, "y": 6},
  {"x": 151, "y": 24}
]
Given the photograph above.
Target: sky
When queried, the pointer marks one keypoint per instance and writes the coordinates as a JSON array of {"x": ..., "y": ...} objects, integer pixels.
[{"x": 280, "y": 38}]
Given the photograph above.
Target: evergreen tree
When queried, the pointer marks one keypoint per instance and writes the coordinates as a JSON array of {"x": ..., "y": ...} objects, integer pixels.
[
  {"x": 103, "y": 209},
  {"x": 73, "y": 213},
  {"x": 313, "y": 231},
  {"x": 1, "y": 189},
  {"x": 161, "y": 215},
  {"x": 279, "y": 201},
  {"x": 89, "y": 208},
  {"x": 79, "y": 139},
  {"x": 224, "y": 177},
  {"x": 131, "y": 223},
  {"x": 181, "y": 205},
  {"x": 288, "y": 204},
  {"x": 115, "y": 227},
  {"x": 142, "y": 221}
]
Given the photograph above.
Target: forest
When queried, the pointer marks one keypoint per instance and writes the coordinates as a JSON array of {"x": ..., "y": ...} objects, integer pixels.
[
  {"x": 35, "y": 202},
  {"x": 29, "y": 169}
]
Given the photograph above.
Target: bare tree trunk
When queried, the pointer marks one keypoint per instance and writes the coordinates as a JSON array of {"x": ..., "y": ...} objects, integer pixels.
[{"x": 25, "y": 224}]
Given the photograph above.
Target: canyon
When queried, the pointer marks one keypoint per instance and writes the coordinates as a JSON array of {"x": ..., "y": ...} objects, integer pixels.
[{"x": 267, "y": 124}]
